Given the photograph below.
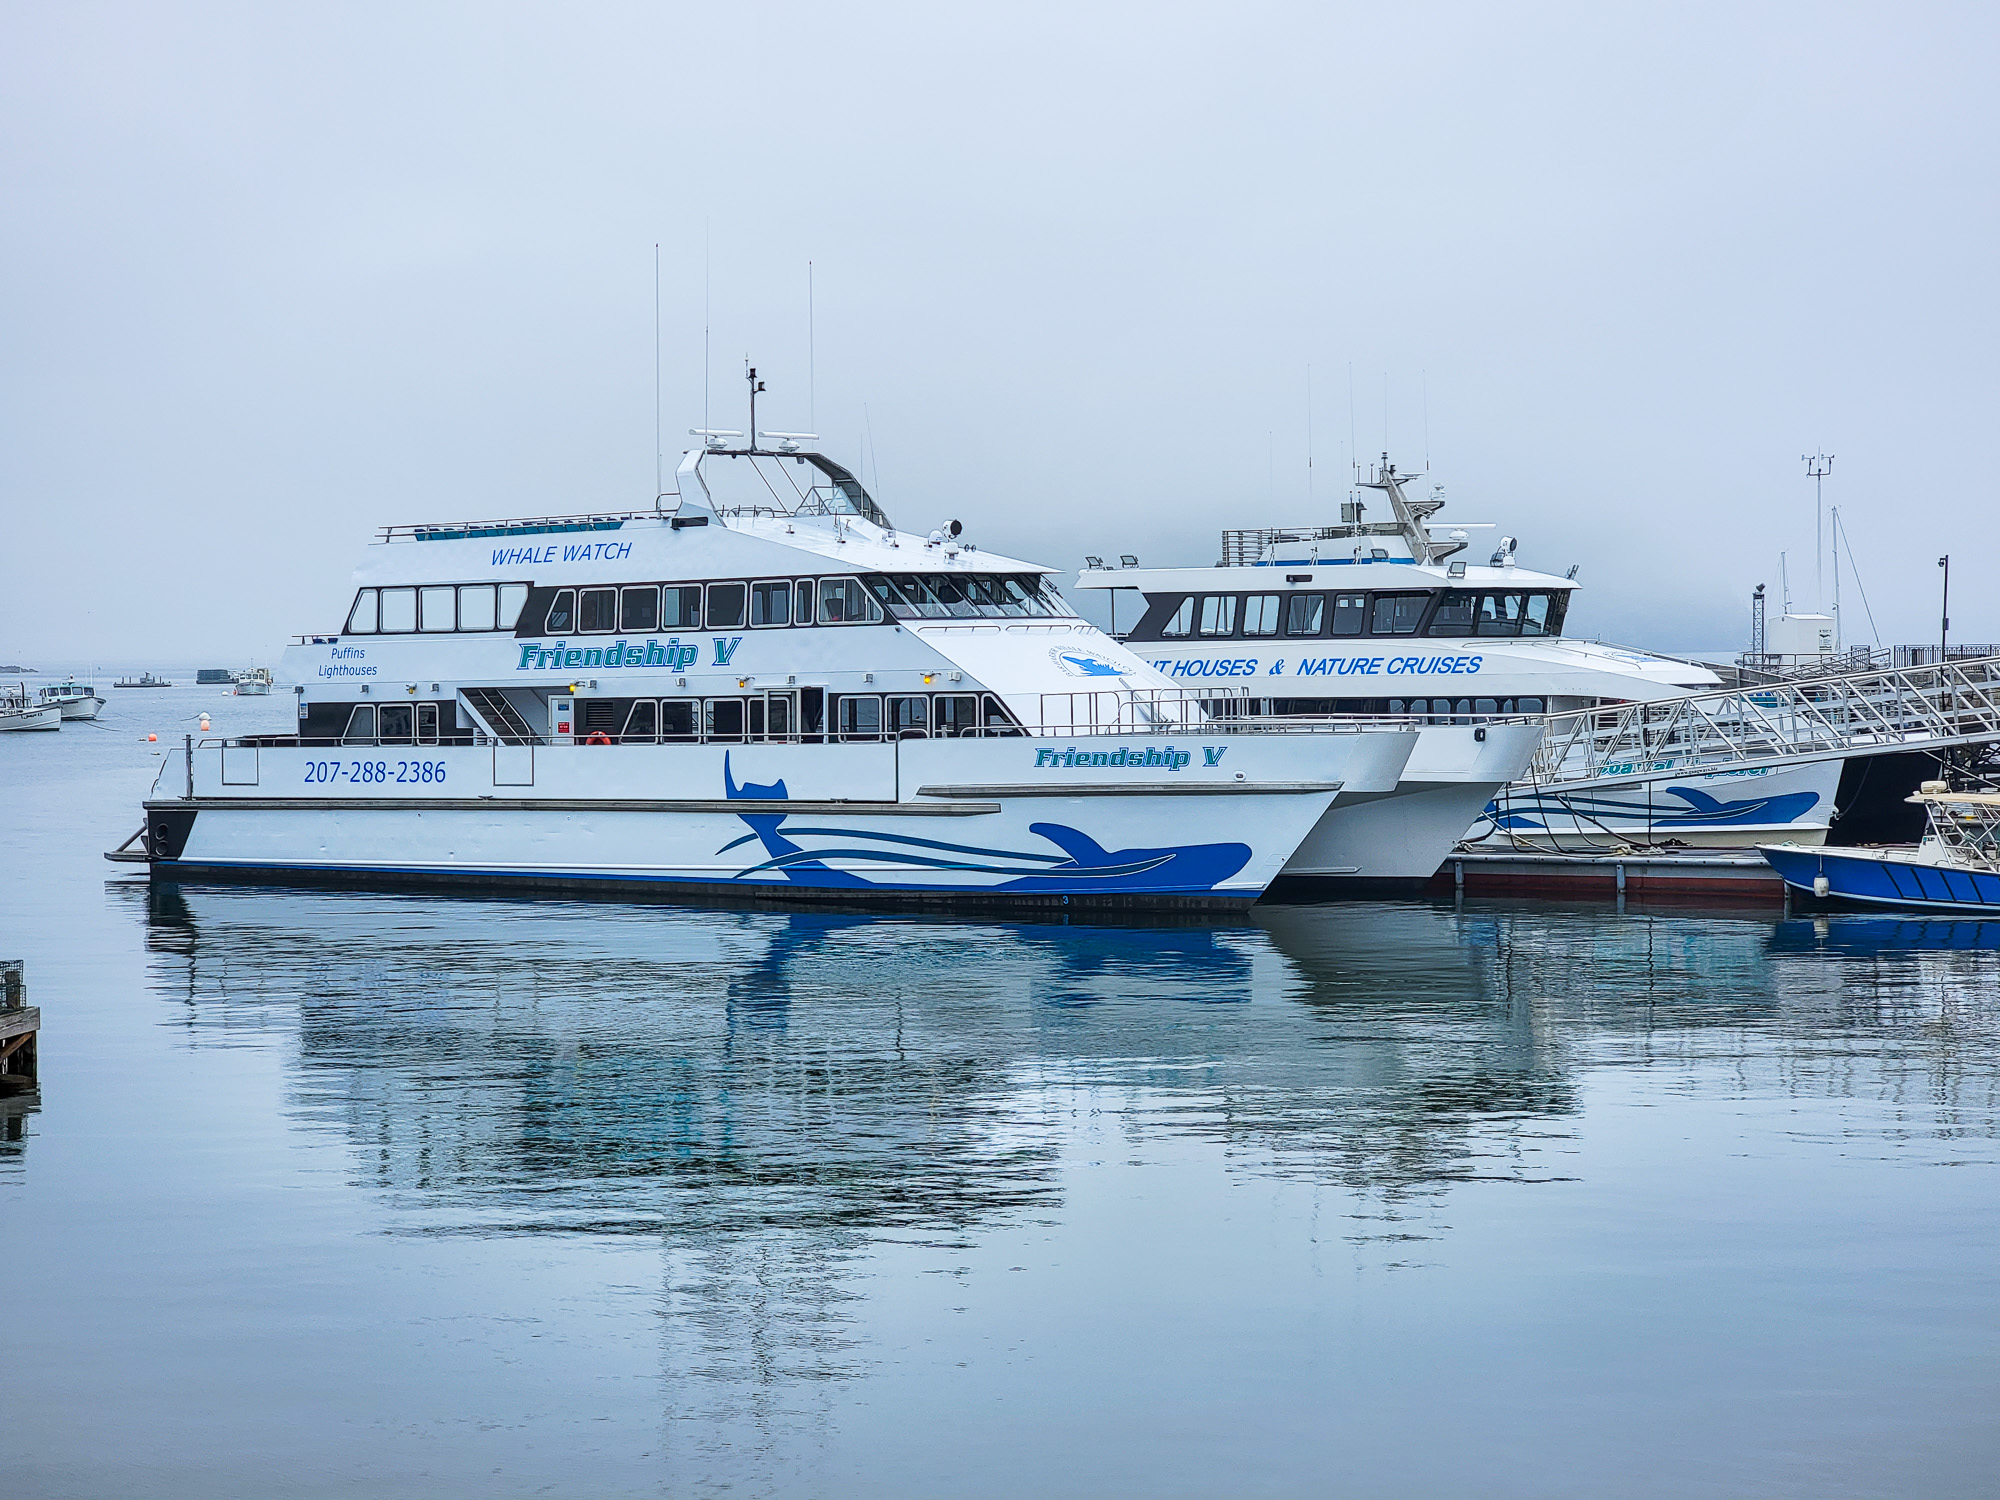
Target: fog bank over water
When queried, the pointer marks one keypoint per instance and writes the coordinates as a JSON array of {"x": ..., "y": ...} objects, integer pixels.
[{"x": 273, "y": 279}]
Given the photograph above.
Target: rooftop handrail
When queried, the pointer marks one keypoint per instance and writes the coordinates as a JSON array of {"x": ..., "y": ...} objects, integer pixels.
[{"x": 422, "y": 530}]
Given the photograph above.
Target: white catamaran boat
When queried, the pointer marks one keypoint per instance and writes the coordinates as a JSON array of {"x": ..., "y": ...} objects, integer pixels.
[
  {"x": 761, "y": 686},
  {"x": 1380, "y": 617},
  {"x": 77, "y": 700}
]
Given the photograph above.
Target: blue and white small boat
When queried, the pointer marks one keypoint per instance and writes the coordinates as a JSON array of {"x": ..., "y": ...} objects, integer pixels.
[{"x": 1956, "y": 867}]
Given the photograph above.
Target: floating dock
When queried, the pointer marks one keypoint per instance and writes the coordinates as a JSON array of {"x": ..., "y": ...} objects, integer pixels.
[{"x": 1658, "y": 876}]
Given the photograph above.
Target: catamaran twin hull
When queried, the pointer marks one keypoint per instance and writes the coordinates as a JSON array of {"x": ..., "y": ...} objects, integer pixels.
[{"x": 1201, "y": 820}]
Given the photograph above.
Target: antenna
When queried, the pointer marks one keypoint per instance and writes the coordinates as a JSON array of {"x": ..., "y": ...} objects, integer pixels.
[
  {"x": 812, "y": 358},
  {"x": 1309, "y": 438},
  {"x": 1427, "y": 418},
  {"x": 707, "y": 365},
  {"x": 1836, "y": 578},
  {"x": 1353, "y": 448},
  {"x": 756, "y": 385},
  {"x": 1785, "y": 582},
  {"x": 659, "y": 448},
  {"x": 1818, "y": 466}
]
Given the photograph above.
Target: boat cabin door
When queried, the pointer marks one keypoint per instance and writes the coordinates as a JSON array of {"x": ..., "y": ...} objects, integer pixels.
[{"x": 775, "y": 716}]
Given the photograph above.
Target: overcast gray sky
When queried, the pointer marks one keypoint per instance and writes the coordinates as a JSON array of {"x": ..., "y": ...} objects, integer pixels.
[{"x": 274, "y": 275}]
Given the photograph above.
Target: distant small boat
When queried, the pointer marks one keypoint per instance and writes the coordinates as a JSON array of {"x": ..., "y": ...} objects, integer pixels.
[
  {"x": 252, "y": 687},
  {"x": 145, "y": 680},
  {"x": 77, "y": 700},
  {"x": 19, "y": 711},
  {"x": 1956, "y": 868}
]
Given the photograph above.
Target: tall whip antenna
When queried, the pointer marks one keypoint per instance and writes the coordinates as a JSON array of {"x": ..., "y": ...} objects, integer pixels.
[
  {"x": 705, "y": 376},
  {"x": 659, "y": 448},
  {"x": 1309, "y": 439},
  {"x": 812, "y": 358},
  {"x": 1818, "y": 466}
]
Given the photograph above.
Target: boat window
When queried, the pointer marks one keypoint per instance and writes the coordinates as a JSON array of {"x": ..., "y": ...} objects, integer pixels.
[
  {"x": 677, "y": 716},
  {"x": 842, "y": 601},
  {"x": 1486, "y": 705},
  {"x": 1181, "y": 622},
  {"x": 512, "y": 597},
  {"x": 1500, "y": 614},
  {"x": 598, "y": 610},
  {"x": 1455, "y": 613},
  {"x": 641, "y": 724},
  {"x": 993, "y": 597},
  {"x": 427, "y": 723},
  {"x": 361, "y": 618},
  {"x": 1051, "y": 597},
  {"x": 802, "y": 603},
  {"x": 639, "y": 609},
  {"x": 680, "y": 608},
  {"x": 397, "y": 723},
  {"x": 562, "y": 613},
  {"x": 725, "y": 605},
  {"x": 360, "y": 726},
  {"x": 918, "y": 596},
  {"x": 957, "y": 713},
  {"x": 1350, "y": 613},
  {"x": 1529, "y": 705},
  {"x": 909, "y": 718},
  {"x": 1260, "y": 614},
  {"x": 475, "y": 606},
  {"x": 399, "y": 611},
  {"x": 722, "y": 718},
  {"x": 1218, "y": 614},
  {"x": 1545, "y": 614},
  {"x": 771, "y": 603},
  {"x": 952, "y": 592},
  {"x": 998, "y": 720},
  {"x": 437, "y": 608},
  {"x": 1304, "y": 614},
  {"x": 1024, "y": 590},
  {"x": 859, "y": 718},
  {"x": 1398, "y": 614}
]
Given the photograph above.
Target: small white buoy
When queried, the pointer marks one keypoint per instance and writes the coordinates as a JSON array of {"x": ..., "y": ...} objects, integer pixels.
[
  {"x": 204, "y": 723},
  {"x": 1821, "y": 885}
]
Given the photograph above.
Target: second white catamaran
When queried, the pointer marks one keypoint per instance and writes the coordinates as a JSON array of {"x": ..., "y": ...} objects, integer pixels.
[{"x": 759, "y": 686}]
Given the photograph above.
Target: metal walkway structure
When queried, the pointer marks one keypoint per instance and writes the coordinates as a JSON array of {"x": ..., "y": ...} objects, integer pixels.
[{"x": 1865, "y": 713}]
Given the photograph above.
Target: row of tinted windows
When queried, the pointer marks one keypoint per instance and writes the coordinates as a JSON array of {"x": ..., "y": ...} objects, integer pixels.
[
  {"x": 780, "y": 716},
  {"x": 799, "y": 601},
  {"x": 715, "y": 606},
  {"x": 1446, "y": 612},
  {"x": 437, "y": 608}
]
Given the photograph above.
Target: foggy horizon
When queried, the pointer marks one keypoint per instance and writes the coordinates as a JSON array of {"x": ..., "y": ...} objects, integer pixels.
[{"x": 277, "y": 280}]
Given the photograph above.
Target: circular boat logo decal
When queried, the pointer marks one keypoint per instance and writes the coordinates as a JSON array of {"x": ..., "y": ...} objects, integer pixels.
[{"x": 1079, "y": 663}]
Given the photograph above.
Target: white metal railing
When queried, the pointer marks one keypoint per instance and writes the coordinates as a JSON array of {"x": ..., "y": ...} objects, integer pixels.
[{"x": 1958, "y": 701}]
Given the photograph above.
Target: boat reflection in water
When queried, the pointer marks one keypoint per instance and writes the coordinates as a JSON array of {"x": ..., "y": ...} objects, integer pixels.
[{"x": 788, "y": 1101}]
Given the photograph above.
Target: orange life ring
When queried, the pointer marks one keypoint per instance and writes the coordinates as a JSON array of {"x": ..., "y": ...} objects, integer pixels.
[{"x": 598, "y": 737}]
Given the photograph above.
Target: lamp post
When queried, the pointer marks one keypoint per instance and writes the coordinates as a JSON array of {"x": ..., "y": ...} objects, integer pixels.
[{"x": 1944, "y": 609}]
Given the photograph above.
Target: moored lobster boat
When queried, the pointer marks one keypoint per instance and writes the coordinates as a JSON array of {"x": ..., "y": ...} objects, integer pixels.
[
  {"x": 764, "y": 690},
  {"x": 1956, "y": 868}
]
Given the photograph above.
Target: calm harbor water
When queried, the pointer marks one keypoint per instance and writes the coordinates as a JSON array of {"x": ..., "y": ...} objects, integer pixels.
[{"x": 346, "y": 1193}]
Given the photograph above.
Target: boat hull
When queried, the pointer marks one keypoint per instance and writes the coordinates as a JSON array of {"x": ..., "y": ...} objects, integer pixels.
[
  {"x": 32, "y": 718},
  {"x": 1885, "y": 877},
  {"x": 1401, "y": 837},
  {"x": 1009, "y": 821},
  {"x": 80, "y": 708},
  {"x": 1722, "y": 809}
]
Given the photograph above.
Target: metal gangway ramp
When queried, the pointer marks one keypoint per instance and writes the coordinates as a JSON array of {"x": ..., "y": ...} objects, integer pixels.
[{"x": 1905, "y": 708}]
